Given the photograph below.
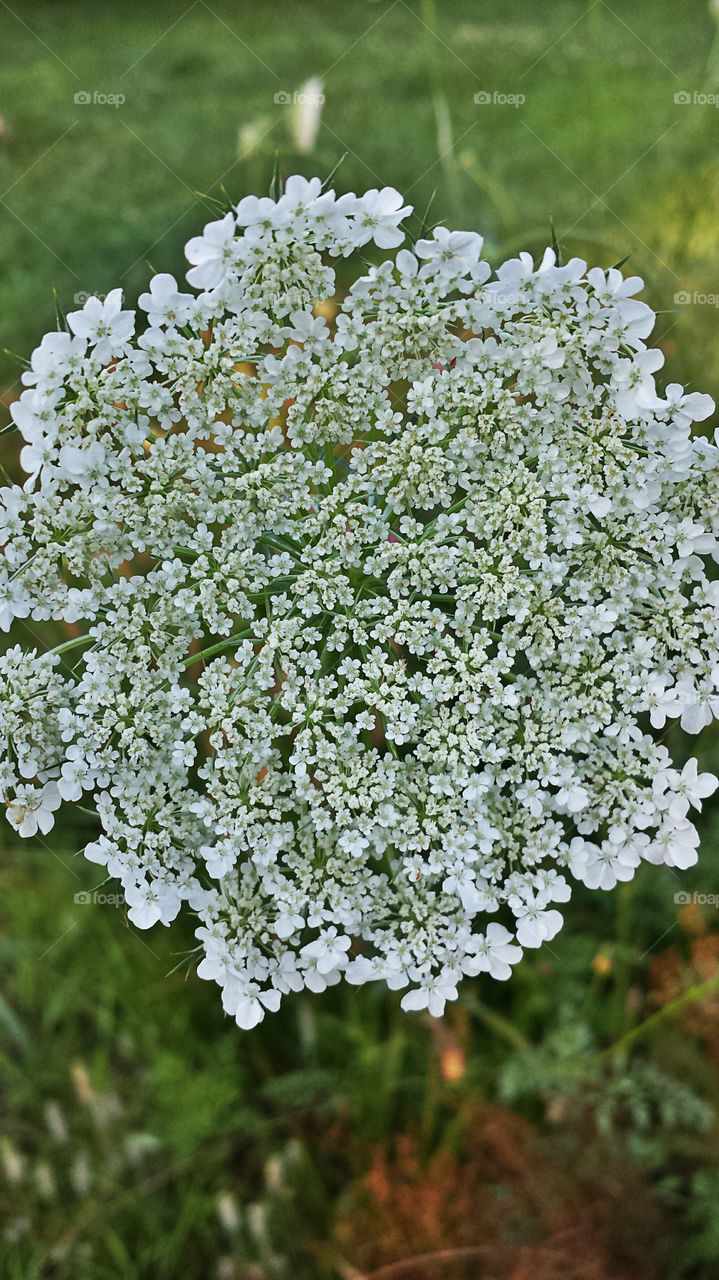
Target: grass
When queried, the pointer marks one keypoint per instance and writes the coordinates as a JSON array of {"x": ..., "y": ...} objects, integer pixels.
[
  {"x": 566, "y": 1121},
  {"x": 92, "y": 194}
]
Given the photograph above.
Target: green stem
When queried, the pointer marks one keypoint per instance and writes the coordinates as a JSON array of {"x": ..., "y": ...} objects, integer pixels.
[
  {"x": 71, "y": 644},
  {"x": 500, "y": 1025},
  {"x": 623, "y": 957},
  {"x": 210, "y": 652},
  {"x": 692, "y": 994}
]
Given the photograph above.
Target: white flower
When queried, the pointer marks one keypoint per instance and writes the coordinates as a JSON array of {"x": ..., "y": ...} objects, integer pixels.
[
  {"x": 680, "y": 790},
  {"x": 690, "y": 407},
  {"x": 603, "y": 866},
  {"x": 573, "y": 797},
  {"x": 57, "y": 354},
  {"x": 431, "y": 997},
  {"x": 450, "y": 252},
  {"x": 493, "y": 952},
  {"x": 636, "y": 392},
  {"x": 376, "y": 619},
  {"x": 104, "y": 325},
  {"x": 15, "y": 602},
  {"x": 262, "y": 216},
  {"x": 300, "y": 193},
  {"x": 78, "y": 462},
  {"x": 381, "y": 213},
  {"x": 535, "y": 926},
  {"x": 33, "y": 809},
  {"x": 164, "y": 303},
  {"x": 675, "y": 844},
  {"x": 306, "y": 326},
  {"x": 150, "y": 903},
  {"x": 247, "y": 1003},
  {"x": 212, "y": 253},
  {"x": 328, "y": 951}
]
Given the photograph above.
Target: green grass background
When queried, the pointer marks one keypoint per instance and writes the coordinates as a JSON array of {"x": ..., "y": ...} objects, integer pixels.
[{"x": 144, "y": 1136}]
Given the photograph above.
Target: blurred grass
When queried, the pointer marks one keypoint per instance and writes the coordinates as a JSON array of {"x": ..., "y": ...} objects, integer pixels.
[
  {"x": 144, "y": 1136},
  {"x": 93, "y": 193}
]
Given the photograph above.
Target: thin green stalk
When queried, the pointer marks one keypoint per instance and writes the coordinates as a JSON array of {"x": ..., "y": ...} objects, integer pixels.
[
  {"x": 213, "y": 649},
  {"x": 691, "y": 996},
  {"x": 71, "y": 644}
]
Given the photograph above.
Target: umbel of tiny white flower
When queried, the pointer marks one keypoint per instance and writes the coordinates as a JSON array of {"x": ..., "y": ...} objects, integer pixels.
[{"x": 376, "y": 615}]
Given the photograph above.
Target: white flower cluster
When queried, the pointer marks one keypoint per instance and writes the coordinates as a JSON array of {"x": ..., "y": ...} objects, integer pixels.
[{"x": 376, "y": 604}]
